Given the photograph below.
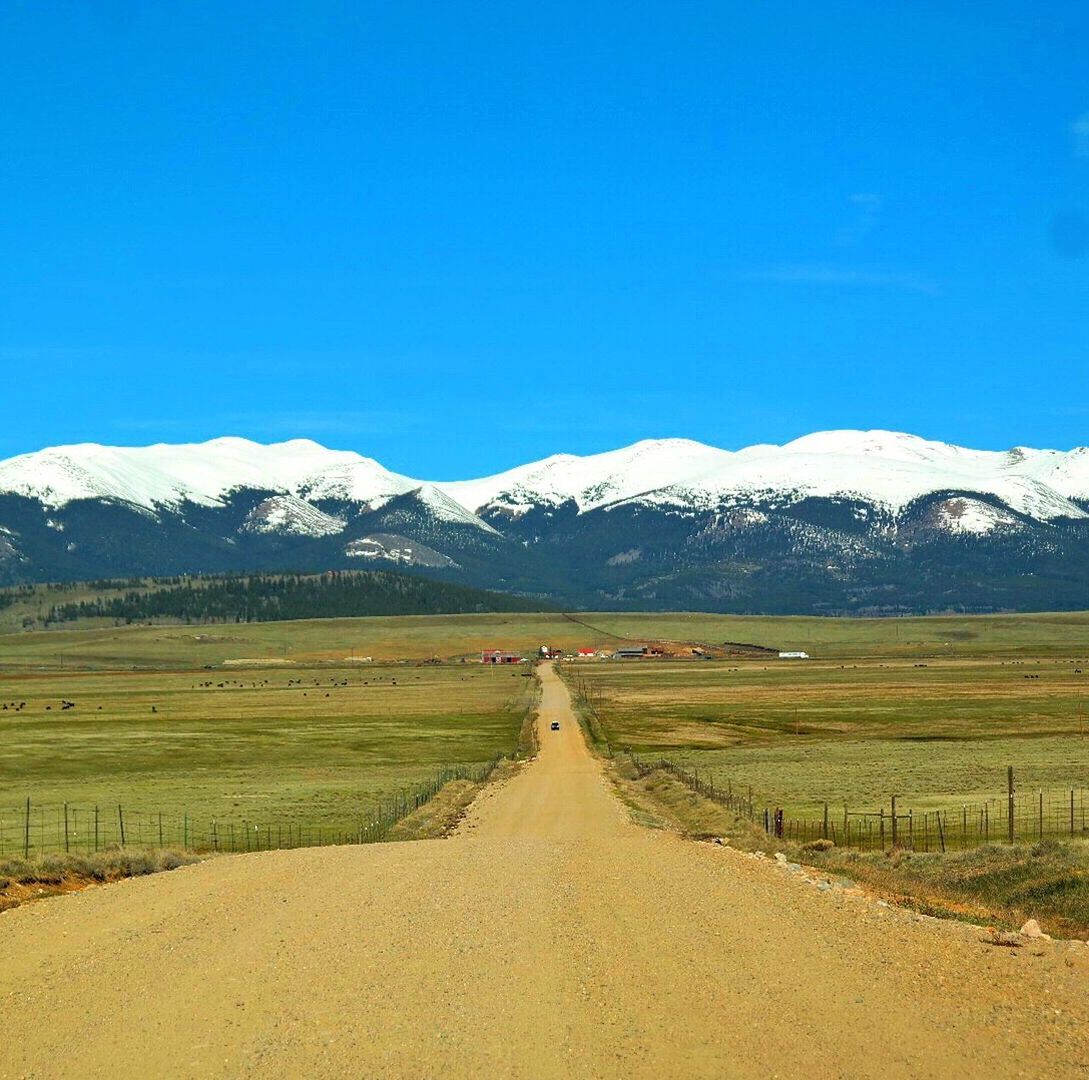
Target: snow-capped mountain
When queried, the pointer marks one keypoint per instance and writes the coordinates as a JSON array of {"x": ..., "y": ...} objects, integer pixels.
[
  {"x": 206, "y": 474},
  {"x": 840, "y": 520},
  {"x": 884, "y": 469}
]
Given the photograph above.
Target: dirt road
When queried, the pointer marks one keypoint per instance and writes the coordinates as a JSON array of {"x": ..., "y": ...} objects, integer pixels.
[{"x": 550, "y": 937}]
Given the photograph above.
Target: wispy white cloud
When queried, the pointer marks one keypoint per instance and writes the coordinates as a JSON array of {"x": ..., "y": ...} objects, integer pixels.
[
  {"x": 1079, "y": 132},
  {"x": 817, "y": 274}
]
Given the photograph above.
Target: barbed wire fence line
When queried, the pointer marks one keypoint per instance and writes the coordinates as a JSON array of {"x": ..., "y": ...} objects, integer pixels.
[
  {"x": 1010, "y": 817},
  {"x": 1014, "y": 817},
  {"x": 34, "y": 828}
]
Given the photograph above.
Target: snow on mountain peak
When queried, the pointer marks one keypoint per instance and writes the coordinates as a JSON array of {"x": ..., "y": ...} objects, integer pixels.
[
  {"x": 289, "y": 514},
  {"x": 166, "y": 476},
  {"x": 893, "y": 445},
  {"x": 163, "y": 474},
  {"x": 887, "y": 469},
  {"x": 591, "y": 481}
]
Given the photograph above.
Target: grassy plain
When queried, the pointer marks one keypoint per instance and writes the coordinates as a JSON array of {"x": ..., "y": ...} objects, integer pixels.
[
  {"x": 935, "y": 732},
  {"x": 949, "y": 636},
  {"x": 272, "y": 744},
  {"x": 422, "y": 636},
  {"x": 855, "y": 723}
]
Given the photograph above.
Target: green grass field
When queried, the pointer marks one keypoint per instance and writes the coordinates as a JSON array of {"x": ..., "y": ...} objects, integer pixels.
[
  {"x": 317, "y": 745},
  {"x": 858, "y": 722},
  {"x": 855, "y": 731},
  {"x": 1064, "y": 635}
]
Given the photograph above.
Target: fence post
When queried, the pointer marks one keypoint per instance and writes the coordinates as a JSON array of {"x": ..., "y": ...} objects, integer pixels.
[
  {"x": 941, "y": 831},
  {"x": 96, "y": 828},
  {"x": 121, "y": 824},
  {"x": 66, "y": 847},
  {"x": 824, "y": 834},
  {"x": 1009, "y": 796},
  {"x": 1040, "y": 818},
  {"x": 26, "y": 831},
  {"x": 882, "y": 828},
  {"x": 894, "y": 836},
  {"x": 1071, "y": 811}
]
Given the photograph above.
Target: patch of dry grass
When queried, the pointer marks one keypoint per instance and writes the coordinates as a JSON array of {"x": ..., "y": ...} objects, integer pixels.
[
  {"x": 22, "y": 880},
  {"x": 1003, "y": 885}
]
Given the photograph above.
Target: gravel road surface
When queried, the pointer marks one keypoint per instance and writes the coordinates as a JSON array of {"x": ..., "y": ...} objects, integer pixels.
[{"x": 549, "y": 937}]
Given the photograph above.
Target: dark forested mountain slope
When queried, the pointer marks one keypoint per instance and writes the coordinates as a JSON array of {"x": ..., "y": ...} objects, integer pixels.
[{"x": 834, "y": 522}]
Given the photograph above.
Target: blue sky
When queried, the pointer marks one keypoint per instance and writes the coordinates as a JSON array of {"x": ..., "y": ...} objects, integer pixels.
[{"x": 458, "y": 236}]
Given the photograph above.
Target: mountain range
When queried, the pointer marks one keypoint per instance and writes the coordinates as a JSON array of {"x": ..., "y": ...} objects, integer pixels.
[{"x": 839, "y": 521}]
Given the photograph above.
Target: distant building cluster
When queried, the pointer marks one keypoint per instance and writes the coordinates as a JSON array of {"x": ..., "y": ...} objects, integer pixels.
[
  {"x": 625, "y": 652},
  {"x": 501, "y": 656}
]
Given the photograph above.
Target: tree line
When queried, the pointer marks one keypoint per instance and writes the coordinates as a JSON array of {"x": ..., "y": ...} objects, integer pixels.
[{"x": 274, "y": 597}]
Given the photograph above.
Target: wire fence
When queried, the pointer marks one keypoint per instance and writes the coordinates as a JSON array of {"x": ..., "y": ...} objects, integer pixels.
[
  {"x": 40, "y": 828},
  {"x": 1013, "y": 817}
]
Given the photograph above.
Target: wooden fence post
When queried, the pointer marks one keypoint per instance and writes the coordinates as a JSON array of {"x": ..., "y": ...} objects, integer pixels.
[
  {"x": 1009, "y": 797},
  {"x": 824, "y": 832},
  {"x": 66, "y": 847},
  {"x": 121, "y": 824},
  {"x": 894, "y": 829}
]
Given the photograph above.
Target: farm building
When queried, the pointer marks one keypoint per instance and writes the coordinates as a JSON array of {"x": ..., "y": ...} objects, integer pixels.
[
  {"x": 631, "y": 653},
  {"x": 794, "y": 656},
  {"x": 500, "y": 656},
  {"x": 586, "y": 654}
]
